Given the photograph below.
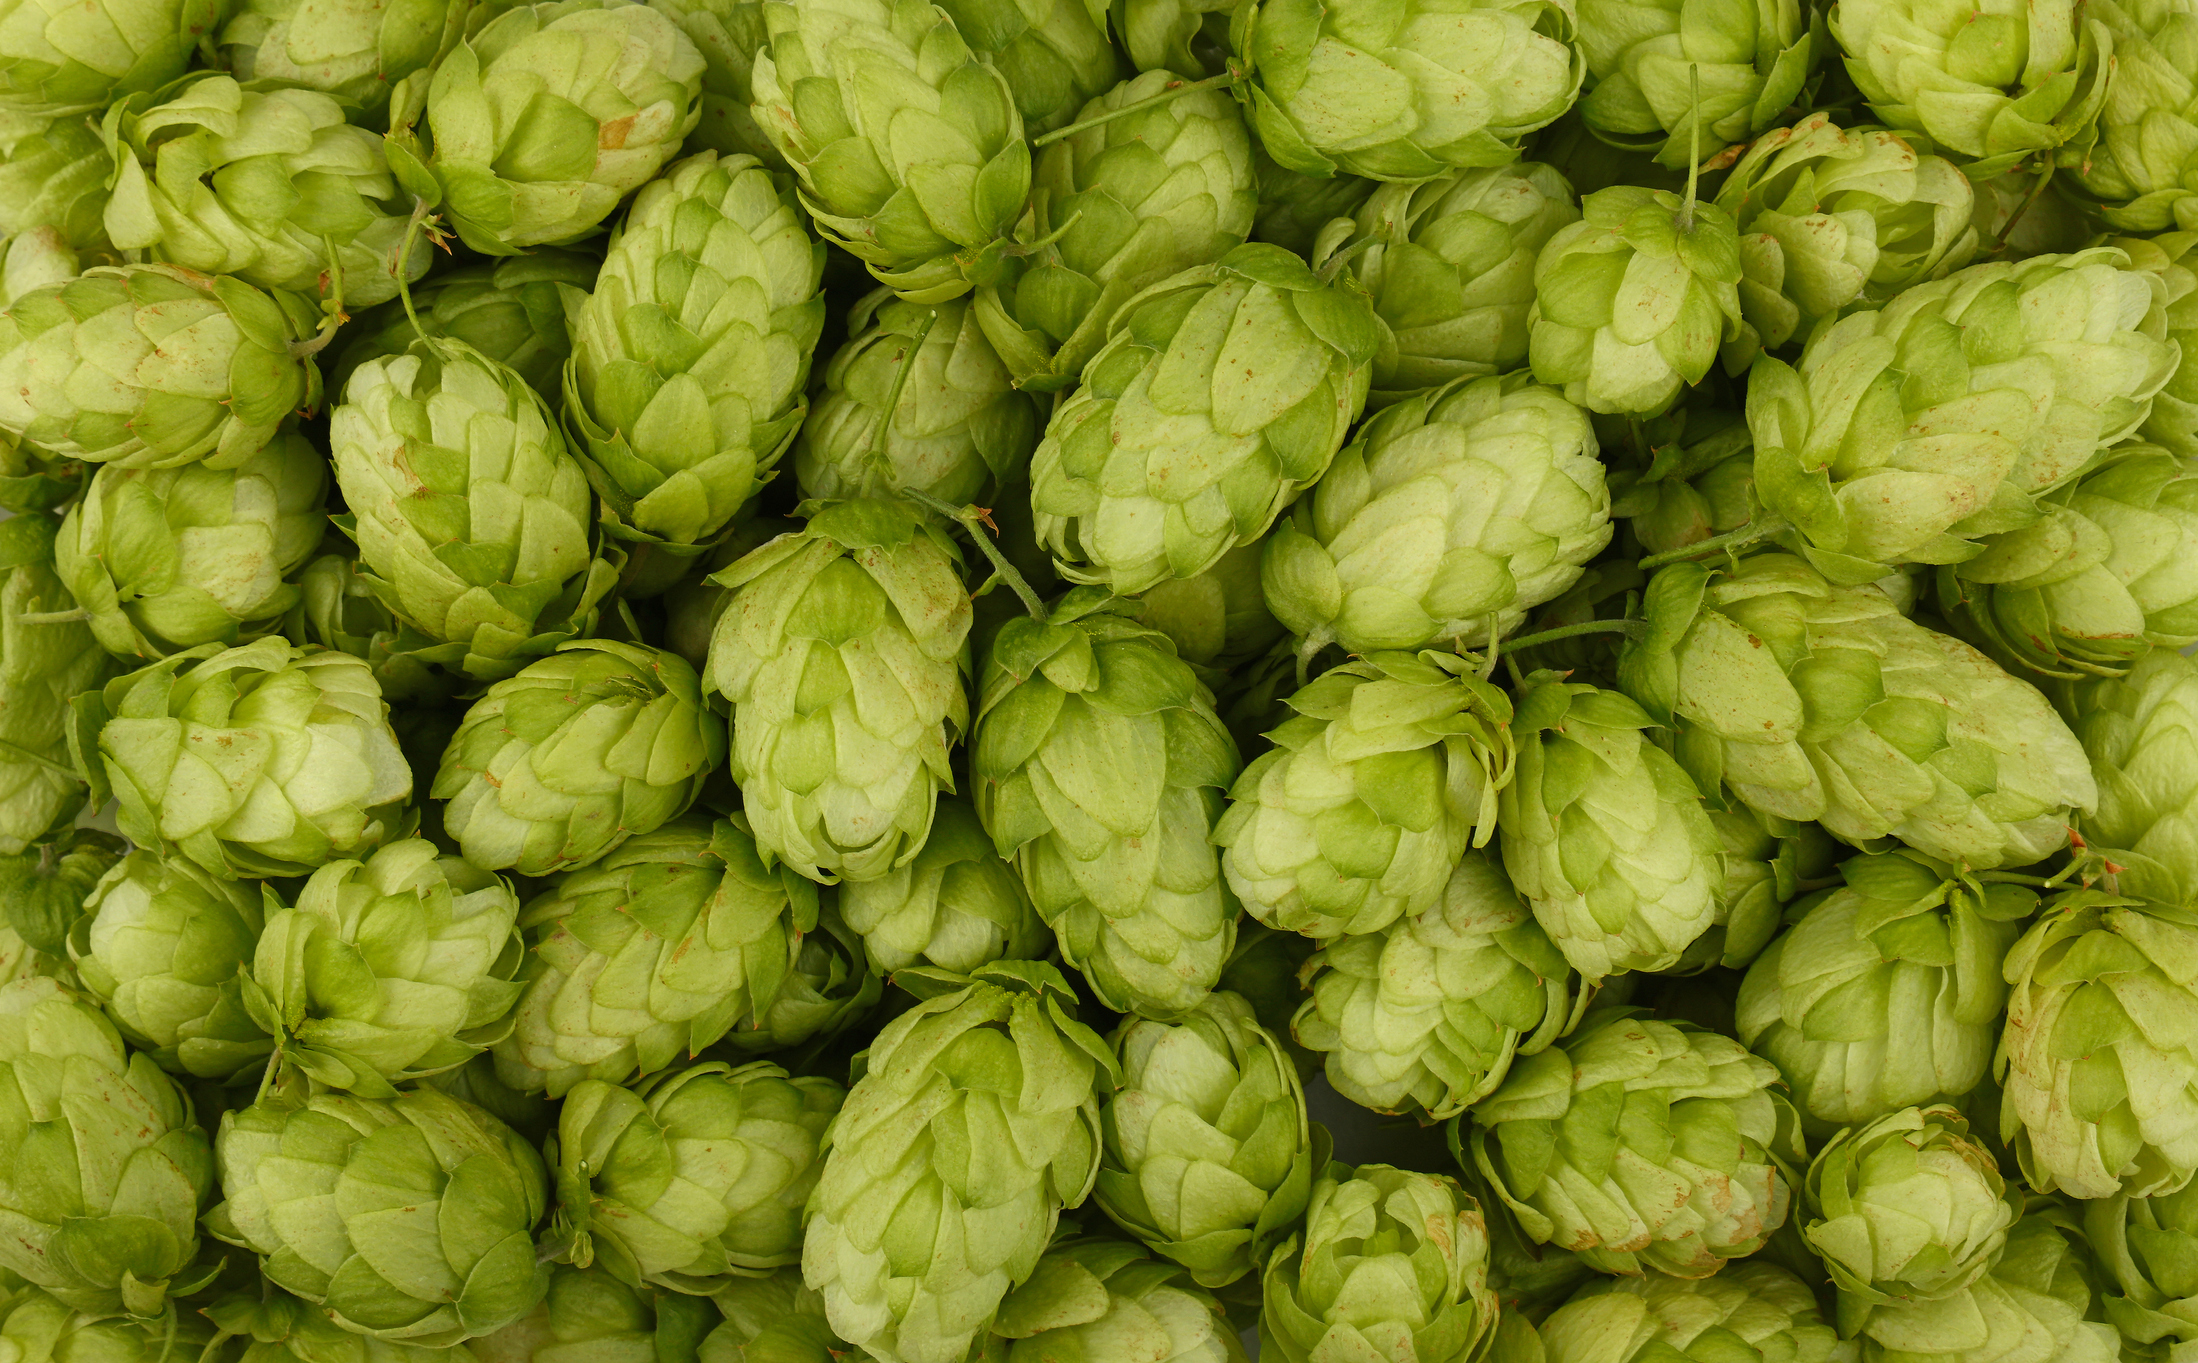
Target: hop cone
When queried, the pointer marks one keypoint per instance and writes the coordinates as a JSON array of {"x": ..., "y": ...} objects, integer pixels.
[
  {"x": 728, "y": 34},
  {"x": 1908, "y": 732},
  {"x": 555, "y": 767},
  {"x": 1452, "y": 514},
  {"x": 1769, "y": 863},
  {"x": 955, "y": 905},
  {"x": 1055, "y": 54},
  {"x": 1098, "y": 764},
  {"x": 1751, "y": 1310},
  {"x": 45, "y": 662},
  {"x": 1208, "y": 1154},
  {"x": 1640, "y": 1144},
  {"x": 1426, "y": 1015},
  {"x": 2039, "y": 1301},
  {"x": 53, "y": 175},
  {"x": 2174, "y": 419},
  {"x": 771, "y": 1320},
  {"x": 40, "y": 1327},
  {"x": 352, "y": 50},
  {"x": 1605, "y": 835},
  {"x": 1294, "y": 207},
  {"x": 1886, "y": 992},
  {"x": 1384, "y": 776},
  {"x": 842, "y": 653},
  {"x": 2147, "y": 1247},
  {"x": 264, "y": 760},
  {"x": 1682, "y": 82},
  {"x": 1689, "y": 477},
  {"x": 979, "y": 1105},
  {"x": 588, "y": 1314},
  {"x": 1221, "y": 394},
  {"x": 1218, "y": 619},
  {"x": 1102, "y": 1298},
  {"x": 2141, "y": 735},
  {"x": 690, "y": 356},
  {"x": 511, "y": 310},
  {"x": 62, "y": 58}
]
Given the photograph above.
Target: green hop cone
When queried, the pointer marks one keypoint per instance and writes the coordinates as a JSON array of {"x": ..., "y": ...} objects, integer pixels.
[
  {"x": 512, "y": 310},
  {"x": 58, "y": 58},
  {"x": 1182, "y": 36},
  {"x": 690, "y": 355},
  {"x": 407, "y": 1220},
  {"x": 53, "y": 177},
  {"x": 554, "y": 768},
  {"x": 2141, "y": 735},
  {"x": 2100, "y": 1085},
  {"x": 1102, "y": 1298},
  {"x": 843, "y": 654},
  {"x": 540, "y": 122},
  {"x": 1682, "y": 82},
  {"x": 1386, "y": 772},
  {"x": 263, "y": 760},
  {"x": 954, "y": 906},
  {"x": 1769, "y": 863},
  {"x": 1449, "y": 263},
  {"x": 1403, "y": 92},
  {"x": 1294, "y": 207},
  {"x": 1908, "y": 431},
  {"x": 337, "y": 608},
  {"x": 691, "y": 1176},
  {"x": 1885, "y": 993},
  {"x": 2148, "y": 1247},
  {"x": 171, "y": 558},
  {"x": 42, "y": 894},
  {"x": 1908, "y": 733},
  {"x": 1632, "y": 302},
  {"x": 836, "y": 84},
  {"x": 1751, "y": 1310},
  {"x": 1122, "y": 205},
  {"x": 771, "y": 1320},
  {"x": 271, "y": 186},
  {"x": 108, "y": 1170},
  {"x": 2128, "y": 165},
  {"x": 1218, "y": 619},
  {"x": 1055, "y": 54},
  {"x": 728, "y": 34},
  {"x": 980, "y": 1105},
  {"x": 2110, "y": 573},
  {"x": 954, "y": 426},
  {"x": 38, "y": 1327},
  {"x": 1389, "y": 1263},
  {"x": 1221, "y": 394},
  {"x": 2174, "y": 419},
  {"x": 153, "y": 366},
  {"x": 1828, "y": 218},
  {"x": 1605, "y": 835},
  {"x": 1098, "y": 765},
  {"x": 1995, "y": 83},
  {"x": 1450, "y": 516},
  {"x": 47, "y": 658},
  {"x": 1689, "y": 477},
  {"x": 390, "y": 968},
  {"x": 162, "y": 945},
  {"x": 1426, "y": 1015},
  {"x": 1208, "y": 1156},
  {"x": 354, "y": 51},
  {"x": 588, "y": 1315},
  {"x": 1640, "y": 1144},
  {"x": 665, "y": 946}
]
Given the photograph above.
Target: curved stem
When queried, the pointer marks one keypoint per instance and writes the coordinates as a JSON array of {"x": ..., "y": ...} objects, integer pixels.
[
  {"x": 1732, "y": 539},
  {"x": 1632, "y": 629},
  {"x": 1175, "y": 90},
  {"x": 974, "y": 519}
]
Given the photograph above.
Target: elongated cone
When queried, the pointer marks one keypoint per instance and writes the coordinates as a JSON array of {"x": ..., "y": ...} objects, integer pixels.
[
  {"x": 263, "y": 760},
  {"x": 2141, "y": 734},
  {"x": 1426, "y": 1015},
  {"x": 1403, "y": 92},
  {"x": 1683, "y": 82},
  {"x": 63, "y": 59},
  {"x": 534, "y": 127},
  {"x": 1389, "y": 1261},
  {"x": 1886, "y": 992},
  {"x": 511, "y": 310},
  {"x": 1452, "y": 514},
  {"x": 1908, "y": 431},
  {"x": 161, "y": 945},
  {"x": 555, "y": 767},
  {"x": 1208, "y": 1155},
  {"x": 955, "y": 906},
  {"x": 692, "y": 1176},
  {"x": 1641, "y": 1145},
  {"x": 47, "y": 659},
  {"x": 311, "y": 1184},
  {"x": 1754, "y": 1306},
  {"x": 1909, "y": 733},
  {"x": 272, "y": 186},
  {"x": 152, "y": 366},
  {"x": 1382, "y": 778},
  {"x": 1122, "y": 206},
  {"x": 1221, "y": 394},
  {"x": 472, "y": 516},
  {"x": 843, "y": 653},
  {"x": 690, "y": 355},
  {"x": 1100, "y": 1297},
  {"x": 353, "y": 50},
  {"x": 1605, "y": 835},
  {"x": 2101, "y": 1087},
  {"x": 839, "y": 86},
  {"x": 981, "y": 1105},
  {"x": 1098, "y": 764},
  {"x": 168, "y": 559},
  {"x": 107, "y": 1169}
]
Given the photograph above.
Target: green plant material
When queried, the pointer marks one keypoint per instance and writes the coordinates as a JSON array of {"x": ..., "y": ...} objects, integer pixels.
[
  {"x": 47, "y": 659},
  {"x": 2141, "y": 735},
  {"x": 1681, "y": 83},
  {"x": 58, "y": 58},
  {"x": 954, "y": 906},
  {"x": 271, "y": 1326},
  {"x": 1055, "y": 54},
  {"x": 1769, "y": 863},
  {"x": 1293, "y": 206},
  {"x": 1102, "y": 1298},
  {"x": 53, "y": 175},
  {"x": 2147, "y": 1247},
  {"x": 1754, "y": 1307},
  {"x": 1218, "y": 619},
  {"x": 589, "y": 1315},
  {"x": 354, "y": 51},
  {"x": 42, "y": 894},
  {"x": 728, "y": 34},
  {"x": 512, "y": 310},
  {"x": 1692, "y": 477},
  {"x": 2174, "y": 419},
  {"x": 773, "y": 1319}
]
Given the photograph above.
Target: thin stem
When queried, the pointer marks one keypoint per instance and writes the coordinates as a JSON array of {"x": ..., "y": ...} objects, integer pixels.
[
  {"x": 77, "y": 616},
  {"x": 900, "y": 381},
  {"x": 1694, "y": 149},
  {"x": 1511, "y": 664},
  {"x": 1632, "y": 629},
  {"x": 972, "y": 519},
  {"x": 2045, "y": 177},
  {"x": 420, "y": 214},
  {"x": 1173, "y": 91},
  {"x": 1746, "y": 535}
]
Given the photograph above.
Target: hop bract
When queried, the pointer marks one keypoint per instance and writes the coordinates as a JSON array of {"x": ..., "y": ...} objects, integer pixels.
[
  {"x": 45, "y": 662},
  {"x": 1218, "y": 619},
  {"x": 353, "y": 50},
  {"x": 2141, "y": 734},
  {"x": 1055, "y": 54},
  {"x": 2174, "y": 419},
  {"x": 955, "y": 905},
  {"x": 1682, "y": 82},
  {"x": 1102, "y": 1298},
  {"x": 1294, "y": 207},
  {"x": 728, "y": 33},
  {"x": 511, "y": 310},
  {"x": 1755, "y": 1306},
  {"x": 588, "y": 1313},
  {"x": 2146, "y": 1246},
  {"x": 60, "y": 58},
  {"x": 53, "y": 175}
]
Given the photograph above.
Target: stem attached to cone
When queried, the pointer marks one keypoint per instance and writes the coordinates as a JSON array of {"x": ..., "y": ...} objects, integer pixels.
[
  {"x": 974, "y": 520},
  {"x": 1175, "y": 90},
  {"x": 1761, "y": 528}
]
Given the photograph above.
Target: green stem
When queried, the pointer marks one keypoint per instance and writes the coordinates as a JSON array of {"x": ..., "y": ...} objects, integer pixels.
[
  {"x": 900, "y": 381},
  {"x": 22, "y": 754},
  {"x": 1632, "y": 629},
  {"x": 1732, "y": 539},
  {"x": 1694, "y": 150},
  {"x": 2014, "y": 220},
  {"x": 972, "y": 519},
  {"x": 77, "y": 616},
  {"x": 1175, "y": 90},
  {"x": 421, "y": 211}
]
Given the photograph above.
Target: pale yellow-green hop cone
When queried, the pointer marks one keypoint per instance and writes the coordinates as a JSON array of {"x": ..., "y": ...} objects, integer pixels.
[
  {"x": 1680, "y": 83},
  {"x": 1426, "y": 1015},
  {"x": 60, "y": 58},
  {"x": 844, "y": 656},
  {"x": 1055, "y": 55},
  {"x": 2146, "y": 1246},
  {"x": 1208, "y": 1156},
  {"x": 1453, "y": 513},
  {"x": 691, "y": 353},
  {"x": 511, "y": 310},
  {"x": 771, "y": 1320},
  {"x": 2140, "y": 732},
  {"x": 1386, "y": 772},
  {"x": 728, "y": 33},
  {"x": 1885, "y": 993},
  {"x": 1218, "y": 619},
  {"x": 1100, "y": 1297},
  {"x": 2133, "y": 165},
  {"x": 2173, "y": 422},
  {"x": 168, "y": 559},
  {"x": 1753, "y": 1309},
  {"x": 1222, "y": 394},
  {"x": 41, "y": 1327},
  {"x": 353, "y": 50},
  {"x": 53, "y": 173},
  {"x": 48, "y": 657},
  {"x": 590, "y": 1314},
  {"x": 955, "y": 906}
]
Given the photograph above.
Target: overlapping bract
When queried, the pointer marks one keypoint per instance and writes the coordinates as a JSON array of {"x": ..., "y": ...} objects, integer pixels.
[
  {"x": 45, "y": 662},
  {"x": 2141, "y": 733},
  {"x": 1682, "y": 82},
  {"x": 1758, "y": 1307},
  {"x": 955, "y": 905}
]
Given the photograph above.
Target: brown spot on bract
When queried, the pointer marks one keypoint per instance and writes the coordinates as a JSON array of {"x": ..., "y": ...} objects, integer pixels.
[{"x": 613, "y": 134}]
